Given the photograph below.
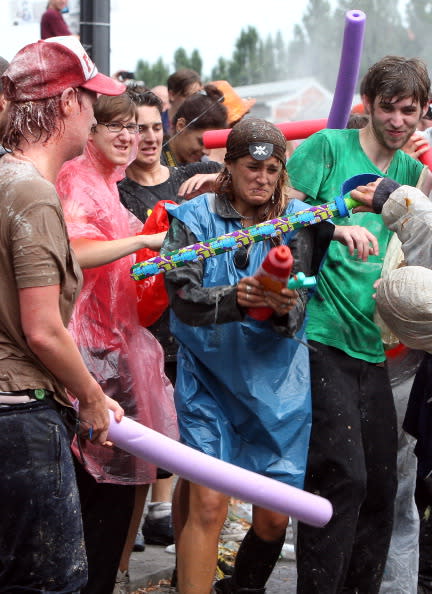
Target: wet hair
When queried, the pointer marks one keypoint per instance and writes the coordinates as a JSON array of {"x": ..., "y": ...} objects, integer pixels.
[
  {"x": 251, "y": 131},
  {"x": 203, "y": 110},
  {"x": 395, "y": 77},
  {"x": 179, "y": 81},
  {"x": 35, "y": 120},
  {"x": 108, "y": 108},
  {"x": 147, "y": 98}
]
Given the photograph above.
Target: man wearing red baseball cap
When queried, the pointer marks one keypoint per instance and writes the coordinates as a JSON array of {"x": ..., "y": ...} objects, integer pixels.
[
  {"x": 51, "y": 86},
  {"x": 46, "y": 68}
]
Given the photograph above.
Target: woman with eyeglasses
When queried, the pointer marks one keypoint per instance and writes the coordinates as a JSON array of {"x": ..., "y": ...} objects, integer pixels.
[
  {"x": 148, "y": 182},
  {"x": 243, "y": 391},
  {"x": 125, "y": 358}
]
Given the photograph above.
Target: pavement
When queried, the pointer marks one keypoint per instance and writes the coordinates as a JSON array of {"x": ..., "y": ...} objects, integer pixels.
[
  {"x": 150, "y": 567},
  {"x": 151, "y": 570}
]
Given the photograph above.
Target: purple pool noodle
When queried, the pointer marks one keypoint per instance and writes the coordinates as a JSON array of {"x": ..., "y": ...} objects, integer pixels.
[
  {"x": 349, "y": 66},
  {"x": 218, "y": 475}
]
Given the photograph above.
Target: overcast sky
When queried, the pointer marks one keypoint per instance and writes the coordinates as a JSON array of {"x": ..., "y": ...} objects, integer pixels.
[
  {"x": 143, "y": 29},
  {"x": 155, "y": 30},
  {"x": 149, "y": 29}
]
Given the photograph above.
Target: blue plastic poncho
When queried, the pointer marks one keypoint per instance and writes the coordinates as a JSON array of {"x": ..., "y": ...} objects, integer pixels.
[{"x": 243, "y": 390}]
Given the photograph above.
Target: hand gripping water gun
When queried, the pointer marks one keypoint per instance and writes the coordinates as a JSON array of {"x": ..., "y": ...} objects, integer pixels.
[
  {"x": 244, "y": 237},
  {"x": 273, "y": 274}
]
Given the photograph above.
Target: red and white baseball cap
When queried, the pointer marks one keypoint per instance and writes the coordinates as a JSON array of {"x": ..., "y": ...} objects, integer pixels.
[{"x": 48, "y": 67}]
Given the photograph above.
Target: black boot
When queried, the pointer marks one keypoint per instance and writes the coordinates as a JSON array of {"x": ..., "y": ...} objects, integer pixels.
[
  {"x": 254, "y": 563},
  {"x": 226, "y": 586}
]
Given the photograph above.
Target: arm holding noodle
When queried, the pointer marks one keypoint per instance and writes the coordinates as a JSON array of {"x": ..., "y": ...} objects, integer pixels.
[{"x": 92, "y": 252}]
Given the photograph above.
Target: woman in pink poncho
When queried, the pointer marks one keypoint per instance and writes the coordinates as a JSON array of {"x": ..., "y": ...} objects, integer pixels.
[{"x": 123, "y": 356}]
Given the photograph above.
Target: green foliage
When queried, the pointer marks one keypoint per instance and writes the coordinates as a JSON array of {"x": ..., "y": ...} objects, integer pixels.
[
  {"x": 152, "y": 75},
  {"x": 384, "y": 32},
  {"x": 158, "y": 73},
  {"x": 419, "y": 20},
  {"x": 315, "y": 45}
]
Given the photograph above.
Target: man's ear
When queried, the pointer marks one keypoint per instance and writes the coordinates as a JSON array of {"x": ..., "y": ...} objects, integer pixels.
[
  {"x": 68, "y": 101},
  {"x": 3, "y": 103},
  {"x": 425, "y": 109},
  {"x": 367, "y": 104}
]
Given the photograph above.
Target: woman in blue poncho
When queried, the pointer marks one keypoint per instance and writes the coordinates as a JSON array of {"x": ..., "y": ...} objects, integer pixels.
[{"x": 243, "y": 390}]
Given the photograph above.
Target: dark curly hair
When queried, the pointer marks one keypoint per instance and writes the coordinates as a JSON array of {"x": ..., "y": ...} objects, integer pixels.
[{"x": 397, "y": 77}]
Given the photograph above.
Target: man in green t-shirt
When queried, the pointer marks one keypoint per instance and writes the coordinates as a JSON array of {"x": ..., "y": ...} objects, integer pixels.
[{"x": 352, "y": 455}]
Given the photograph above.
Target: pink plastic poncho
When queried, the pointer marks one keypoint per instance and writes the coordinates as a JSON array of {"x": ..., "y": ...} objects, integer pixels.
[{"x": 124, "y": 357}]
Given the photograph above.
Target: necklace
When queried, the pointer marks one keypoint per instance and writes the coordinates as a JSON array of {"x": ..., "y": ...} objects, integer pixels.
[
  {"x": 386, "y": 166},
  {"x": 243, "y": 218}
]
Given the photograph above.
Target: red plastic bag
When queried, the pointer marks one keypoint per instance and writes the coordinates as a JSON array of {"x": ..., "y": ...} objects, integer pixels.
[{"x": 152, "y": 298}]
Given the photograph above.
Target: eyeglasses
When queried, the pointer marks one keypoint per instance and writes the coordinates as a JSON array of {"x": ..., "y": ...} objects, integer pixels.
[{"x": 116, "y": 127}]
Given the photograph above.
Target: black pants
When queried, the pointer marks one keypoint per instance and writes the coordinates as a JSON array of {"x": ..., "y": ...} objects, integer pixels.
[
  {"x": 352, "y": 462},
  {"x": 106, "y": 513},
  {"x": 423, "y": 498},
  {"x": 41, "y": 536}
]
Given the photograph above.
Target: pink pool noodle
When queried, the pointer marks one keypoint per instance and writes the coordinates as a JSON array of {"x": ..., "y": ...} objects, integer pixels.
[
  {"x": 218, "y": 475},
  {"x": 291, "y": 131},
  {"x": 348, "y": 69}
]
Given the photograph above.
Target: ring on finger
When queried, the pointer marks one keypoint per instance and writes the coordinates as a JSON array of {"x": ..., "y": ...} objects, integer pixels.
[{"x": 248, "y": 288}]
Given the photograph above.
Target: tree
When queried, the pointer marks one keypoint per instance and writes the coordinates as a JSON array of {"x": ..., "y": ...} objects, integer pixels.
[
  {"x": 182, "y": 60},
  {"x": 419, "y": 17},
  {"x": 152, "y": 75},
  {"x": 315, "y": 49},
  {"x": 245, "y": 68},
  {"x": 384, "y": 32},
  {"x": 316, "y": 44},
  {"x": 221, "y": 70},
  {"x": 281, "y": 58},
  {"x": 196, "y": 61}
]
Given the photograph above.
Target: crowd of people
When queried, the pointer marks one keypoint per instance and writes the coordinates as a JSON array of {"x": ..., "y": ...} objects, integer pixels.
[{"x": 94, "y": 174}]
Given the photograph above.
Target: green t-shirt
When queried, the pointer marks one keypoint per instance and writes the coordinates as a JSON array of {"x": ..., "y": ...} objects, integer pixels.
[{"x": 341, "y": 312}]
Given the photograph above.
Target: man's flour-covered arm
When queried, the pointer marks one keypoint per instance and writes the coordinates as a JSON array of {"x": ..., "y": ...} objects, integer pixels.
[{"x": 405, "y": 210}]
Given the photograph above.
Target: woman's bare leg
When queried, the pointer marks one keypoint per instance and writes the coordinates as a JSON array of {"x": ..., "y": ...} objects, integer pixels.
[{"x": 197, "y": 541}]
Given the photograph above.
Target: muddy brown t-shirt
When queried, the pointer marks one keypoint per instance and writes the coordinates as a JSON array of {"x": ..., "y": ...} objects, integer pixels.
[{"x": 34, "y": 252}]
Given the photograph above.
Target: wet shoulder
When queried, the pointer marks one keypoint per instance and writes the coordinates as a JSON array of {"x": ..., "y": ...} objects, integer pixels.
[{"x": 22, "y": 185}]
